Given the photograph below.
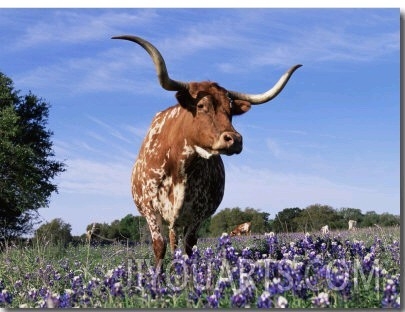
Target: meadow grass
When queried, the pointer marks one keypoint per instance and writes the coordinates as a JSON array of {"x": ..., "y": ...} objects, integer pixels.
[{"x": 341, "y": 269}]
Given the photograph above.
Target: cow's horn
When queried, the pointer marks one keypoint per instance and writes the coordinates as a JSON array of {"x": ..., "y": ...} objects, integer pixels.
[
  {"x": 268, "y": 95},
  {"x": 161, "y": 70}
]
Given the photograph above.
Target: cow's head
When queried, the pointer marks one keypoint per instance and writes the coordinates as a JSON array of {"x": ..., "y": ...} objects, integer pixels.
[
  {"x": 211, "y": 107},
  {"x": 211, "y": 110}
]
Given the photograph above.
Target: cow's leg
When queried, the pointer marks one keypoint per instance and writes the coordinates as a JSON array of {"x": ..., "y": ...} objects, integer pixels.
[
  {"x": 190, "y": 239},
  {"x": 173, "y": 240},
  {"x": 158, "y": 241}
]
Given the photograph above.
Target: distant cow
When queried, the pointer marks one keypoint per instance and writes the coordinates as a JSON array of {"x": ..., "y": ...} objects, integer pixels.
[
  {"x": 325, "y": 229},
  {"x": 179, "y": 175},
  {"x": 352, "y": 225},
  {"x": 243, "y": 228}
]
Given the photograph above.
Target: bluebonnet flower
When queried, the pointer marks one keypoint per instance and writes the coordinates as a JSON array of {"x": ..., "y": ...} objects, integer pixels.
[
  {"x": 285, "y": 271},
  {"x": 284, "y": 251},
  {"x": 338, "y": 278},
  {"x": 224, "y": 241},
  {"x": 249, "y": 292},
  {"x": 247, "y": 253},
  {"x": 368, "y": 262},
  {"x": 265, "y": 301},
  {"x": 307, "y": 243},
  {"x": 231, "y": 255},
  {"x": 275, "y": 287},
  {"x": 33, "y": 294},
  {"x": 92, "y": 284},
  {"x": 193, "y": 296},
  {"x": 65, "y": 300},
  {"x": 282, "y": 302},
  {"x": 321, "y": 301},
  {"x": 358, "y": 248},
  {"x": 70, "y": 275},
  {"x": 391, "y": 298},
  {"x": 52, "y": 300},
  {"x": 259, "y": 271},
  {"x": 238, "y": 299},
  {"x": 77, "y": 282},
  {"x": 299, "y": 288},
  {"x": 272, "y": 243},
  {"x": 312, "y": 255},
  {"x": 196, "y": 253},
  {"x": 208, "y": 253},
  {"x": 18, "y": 284},
  {"x": 43, "y": 291},
  {"x": 394, "y": 248},
  {"x": 64, "y": 264},
  {"x": 5, "y": 297},
  {"x": 116, "y": 290},
  {"x": 213, "y": 301}
]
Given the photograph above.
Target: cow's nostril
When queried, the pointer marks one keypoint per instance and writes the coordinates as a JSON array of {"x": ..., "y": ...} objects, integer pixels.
[
  {"x": 228, "y": 138},
  {"x": 229, "y": 143}
]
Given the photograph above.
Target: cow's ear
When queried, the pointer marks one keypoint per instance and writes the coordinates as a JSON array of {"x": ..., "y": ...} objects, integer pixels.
[
  {"x": 185, "y": 99},
  {"x": 240, "y": 107}
]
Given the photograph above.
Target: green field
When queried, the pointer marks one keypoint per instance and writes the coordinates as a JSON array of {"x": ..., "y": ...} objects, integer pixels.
[{"x": 341, "y": 269}]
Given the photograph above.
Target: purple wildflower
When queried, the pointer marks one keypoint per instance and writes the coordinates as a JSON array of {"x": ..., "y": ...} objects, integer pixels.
[
  {"x": 18, "y": 284},
  {"x": 5, "y": 297},
  {"x": 391, "y": 298},
  {"x": 33, "y": 294},
  {"x": 213, "y": 301},
  {"x": 238, "y": 299},
  {"x": 282, "y": 302},
  {"x": 321, "y": 301},
  {"x": 65, "y": 300},
  {"x": 116, "y": 290},
  {"x": 264, "y": 301}
]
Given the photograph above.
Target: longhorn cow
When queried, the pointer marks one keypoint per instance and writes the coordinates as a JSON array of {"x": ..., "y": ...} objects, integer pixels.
[
  {"x": 352, "y": 225},
  {"x": 240, "y": 229},
  {"x": 179, "y": 175},
  {"x": 325, "y": 229}
]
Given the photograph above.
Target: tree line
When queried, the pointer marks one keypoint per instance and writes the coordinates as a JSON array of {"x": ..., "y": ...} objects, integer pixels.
[{"x": 135, "y": 229}]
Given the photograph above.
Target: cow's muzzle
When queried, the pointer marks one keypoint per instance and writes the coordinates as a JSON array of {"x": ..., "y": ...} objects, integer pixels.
[{"x": 229, "y": 143}]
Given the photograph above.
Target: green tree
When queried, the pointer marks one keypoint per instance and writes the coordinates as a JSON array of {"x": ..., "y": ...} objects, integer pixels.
[
  {"x": 226, "y": 220},
  {"x": 387, "y": 219},
  {"x": 204, "y": 230},
  {"x": 260, "y": 220},
  {"x": 370, "y": 218},
  {"x": 113, "y": 230},
  {"x": 55, "y": 232},
  {"x": 285, "y": 220},
  {"x": 350, "y": 214},
  {"x": 128, "y": 227},
  {"x": 99, "y": 231},
  {"x": 27, "y": 167},
  {"x": 313, "y": 217},
  {"x": 132, "y": 228}
]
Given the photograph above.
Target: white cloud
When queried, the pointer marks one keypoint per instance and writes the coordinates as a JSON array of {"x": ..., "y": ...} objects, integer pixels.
[
  {"x": 84, "y": 176},
  {"x": 274, "y": 148},
  {"x": 78, "y": 26},
  {"x": 111, "y": 64}
]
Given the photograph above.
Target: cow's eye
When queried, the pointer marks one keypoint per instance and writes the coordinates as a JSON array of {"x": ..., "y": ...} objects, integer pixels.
[{"x": 200, "y": 105}]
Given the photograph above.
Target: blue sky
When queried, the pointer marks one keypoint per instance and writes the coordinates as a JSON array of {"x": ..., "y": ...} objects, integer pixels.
[{"x": 331, "y": 137}]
